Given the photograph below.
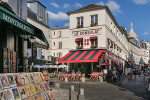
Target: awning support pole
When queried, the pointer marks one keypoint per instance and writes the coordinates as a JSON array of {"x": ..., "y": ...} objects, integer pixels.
[{"x": 92, "y": 67}]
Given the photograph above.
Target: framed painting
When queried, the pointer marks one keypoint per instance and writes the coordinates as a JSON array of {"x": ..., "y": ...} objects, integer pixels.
[
  {"x": 16, "y": 93},
  {"x": 4, "y": 81},
  {"x": 17, "y": 79},
  {"x": 9, "y": 94},
  {"x": 2, "y": 95},
  {"x": 11, "y": 80},
  {"x": 22, "y": 92},
  {"x": 32, "y": 89},
  {"x": 27, "y": 90}
]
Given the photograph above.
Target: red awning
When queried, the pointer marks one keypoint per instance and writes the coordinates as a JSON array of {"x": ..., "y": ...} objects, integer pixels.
[
  {"x": 105, "y": 64},
  {"x": 81, "y": 56},
  {"x": 93, "y": 37},
  {"x": 78, "y": 39}
]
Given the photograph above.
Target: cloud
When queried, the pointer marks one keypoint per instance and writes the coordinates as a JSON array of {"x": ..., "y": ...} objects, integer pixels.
[
  {"x": 113, "y": 6},
  {"x": 100, "y": 3},
  {"x": 66, "y": 5},
  {"x": 78, "y": 5},
  {"x": 145, "y": 33},
  {"x": 58, "y": 16},
  {"x": 55, "y": 5},
  {"x": 66, "y": 24},
  {"x": 140, "y": 1}
]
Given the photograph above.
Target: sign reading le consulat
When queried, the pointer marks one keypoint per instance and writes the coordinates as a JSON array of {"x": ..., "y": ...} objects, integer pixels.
[{"x": 16, "y": 23}]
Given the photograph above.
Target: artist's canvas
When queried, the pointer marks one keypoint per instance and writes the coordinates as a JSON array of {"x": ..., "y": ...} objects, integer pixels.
[
  {"x": 2, "y": 95},
  {"x": 22, "y": 92},
  {"x": 4, "y": 81},
  {"x": 11, "y": 80},
  {"x": 9, "y": 94},
  {"x": 42, "y": 77},
  {"x": 16, "y": 93},
  {"x": 27, "y": 90},
  {"x": 48, "y": 95}
]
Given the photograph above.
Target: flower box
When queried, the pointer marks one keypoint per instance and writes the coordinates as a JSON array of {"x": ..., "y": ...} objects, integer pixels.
[{"x": 93, "y": 45}]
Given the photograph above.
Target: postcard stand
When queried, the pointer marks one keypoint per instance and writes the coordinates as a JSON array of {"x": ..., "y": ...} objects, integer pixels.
[{"x": 24, "y": 86}]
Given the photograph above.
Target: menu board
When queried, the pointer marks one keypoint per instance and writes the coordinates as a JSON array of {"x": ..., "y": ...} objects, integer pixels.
[{"x": 24, "y": 86}]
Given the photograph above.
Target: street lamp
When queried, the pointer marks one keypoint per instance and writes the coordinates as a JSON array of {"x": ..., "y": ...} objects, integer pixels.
[{"x": 32, "y": 40}]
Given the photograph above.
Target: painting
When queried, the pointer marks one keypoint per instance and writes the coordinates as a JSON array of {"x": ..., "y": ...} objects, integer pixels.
[
  {"x": 37, "y": 97},
  {"x": 31, "y": 77},
  {"x": 41, "y": 97},
  {"x": 27, "y": 79},
  {"x": 27, "y": 90},
  {"x": 46, "y": 86},
  {"x": 38, "y": 76},
  {"x": 45, "y": 96},
  {"x": 17, "y": 79},
  {"x": 1, "y": 87},
  {"x": 11, "y": 80},
  {"x": 16, "y": 94},
  {"x": 36, "y": 88},
  {"x": 35, "y": 78},
  {"x": 4, "y": 81},
  {"x": 48, "y": 95},
  {"x": 22, "y": 92},
  {"x": 9, "y": 94},
  {"x": 42, "y": 77},
  {"x": 2, "y": 95},
  {"x": 23, "y": 81},
  {"x": 31, "y": 98},
  {"x": 41, "y": 87},
  {"x": 32, "y": 89}
]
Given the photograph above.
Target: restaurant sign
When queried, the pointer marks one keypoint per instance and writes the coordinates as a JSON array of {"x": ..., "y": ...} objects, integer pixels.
[
  {"x": 14, "y": 20},
  {"x": 87, "y": 32}
]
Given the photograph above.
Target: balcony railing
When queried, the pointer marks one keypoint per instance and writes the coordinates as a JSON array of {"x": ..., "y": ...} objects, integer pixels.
[
  {"x": 79, "y": 26},
  {"x": 93, "y": 45},
  {"x": 94, "y": 24},
  {"x": 79, "y": 47}
]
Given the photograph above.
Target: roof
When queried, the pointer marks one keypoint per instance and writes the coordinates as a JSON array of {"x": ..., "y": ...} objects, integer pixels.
[
  {"x": 132, "y": 34},
  {"x": 64, "y": 27},
  {"x": 88, "y": 7}
]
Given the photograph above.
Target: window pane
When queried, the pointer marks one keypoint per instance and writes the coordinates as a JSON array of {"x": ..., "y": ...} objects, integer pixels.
[
  {"x": 92, "y": 19},
  {"x": 81, "y": 20},
  {"x": 96, "y": 19}
]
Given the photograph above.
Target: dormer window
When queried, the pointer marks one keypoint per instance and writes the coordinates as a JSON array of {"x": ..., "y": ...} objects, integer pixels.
[
  {"x": 80, "y": 22},
  {"x": 94, "y": 20}
]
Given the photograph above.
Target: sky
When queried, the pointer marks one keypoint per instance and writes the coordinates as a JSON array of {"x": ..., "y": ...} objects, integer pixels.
[{"x": 124, "y": 11}]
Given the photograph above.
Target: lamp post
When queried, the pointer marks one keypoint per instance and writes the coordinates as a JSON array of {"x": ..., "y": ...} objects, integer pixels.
[{"x": 32, "y": 39}]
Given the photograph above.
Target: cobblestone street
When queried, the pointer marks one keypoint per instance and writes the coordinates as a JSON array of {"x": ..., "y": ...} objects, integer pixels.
[{"x": 134, "y": 89}]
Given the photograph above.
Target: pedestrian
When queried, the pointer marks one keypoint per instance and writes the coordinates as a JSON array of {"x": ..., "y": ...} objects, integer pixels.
[
  {"x": 129, "y": 73},
  {"x": 119, "y": 74},
  {"x": 114, "y": 75},
  {"x": 134, "y": 72},
  {"x": 139, "y": 72},
  {"x": 144, "y": 73}
]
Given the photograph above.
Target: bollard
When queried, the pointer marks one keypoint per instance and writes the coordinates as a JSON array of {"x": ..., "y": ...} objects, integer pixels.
[
  {"x": 72, "y": 88},
  {"x": 66, "y": 79},
  {"x": 57, "y": 85},
  {"x": 82, "y": 91},
  {"x": 83, "y": 79}
]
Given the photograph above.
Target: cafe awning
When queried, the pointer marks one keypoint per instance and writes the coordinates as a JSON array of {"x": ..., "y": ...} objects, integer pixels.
[
  {"x": 16, "y": 21},
  {"x": 105, "y": 64},
  {"x": 81, "y": 56}
]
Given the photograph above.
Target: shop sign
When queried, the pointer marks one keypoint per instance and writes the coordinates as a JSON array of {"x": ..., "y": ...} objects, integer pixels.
[
  {"x": 87, "y": 32},
  {"x": 16, "y": 22}
]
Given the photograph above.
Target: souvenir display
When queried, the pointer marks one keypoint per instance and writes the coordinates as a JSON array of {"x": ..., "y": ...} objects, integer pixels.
[
  {"x": 31, "y": 98},
  {"x": 16, "y": 93},
  {"x": 36, "y": 88},
  {"x": 45, "y": 96},
  {"x": 22, "y": 92},
  {"x": 41, "y": 97},
  {"x": 37, "y": 97},
  {"x": 32, "y": 89},
  {"x": 2, "y": 95},
  {"x": 46, "y": 86},
  {"x": 9, "y": 94},
  {"x": 11, "y": 80},
  {"x": 4, "y": 81},
  {"x": 28, "y": 91},
  {"x": 31, "y": 77},
  {"x": 23, "y": 81},
  {"x": 17, "y": 79},
  {"x": 28, "y": 81}
]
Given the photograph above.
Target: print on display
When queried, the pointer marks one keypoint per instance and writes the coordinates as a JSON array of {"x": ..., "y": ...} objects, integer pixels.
[
  {"x": 27, "y": 90},
  {"x": 17, "y": 79},
  {"x": 16, "y": 94},
  {"x": 45, "y": 96},
  {"x": 31, "y": 98},
  {"x": 28, "y": 81},
  {"x": 22, "y": 92},
  {"x": 32, "y": 89},
  {"x": 11, "y": 80},
  {"x": 36, "y": 88},
  {"x": 4, "y": 81},
  {"x": 46, "y": 86},
  {"x": 41, "y": 97},
  {"x": 23, "y": 81},
  {"x": 9, "y": 94},
  {"x": 38, "y": 76},
  {"x": 41, "y": 76},
  {"x": 31, "y": 77},
  {"x": 2, "y": 95}
]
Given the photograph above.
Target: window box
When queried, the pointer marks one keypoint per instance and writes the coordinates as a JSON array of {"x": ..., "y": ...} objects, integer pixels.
[
  {"x": 79, "y": 26},
  {"x": 94, "y": 24},
  {"x": 93, "y": 45},
  {"x": 79, "y": 47}
]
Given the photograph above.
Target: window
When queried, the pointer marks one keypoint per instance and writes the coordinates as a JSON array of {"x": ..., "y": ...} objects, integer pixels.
[
  {"x": 60, "y": 45},
  {"x": 94, "y": 20},
  {"x": 53, "y": 54},
  {"x": 19, "y": 8},
  {"x": 54, "y": 43},
  {"x": 59, "y": 54},
  {"x": 59, "y": 34},
  {"x": 80, "y": 22},
  {"x": 93, "y": 42},
  {"x": 79, "y": 42},
  {"x": 54, "y": 33}
]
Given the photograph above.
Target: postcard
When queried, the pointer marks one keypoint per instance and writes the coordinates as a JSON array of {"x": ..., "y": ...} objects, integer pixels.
[
  {"x": 2, "y": 95},
  {"x": 9, "y": 94},
  {"x": 46, "y": 86},
  {"x": 16, "y": 93},
  {"x": 32, "y": 89},
  {"x": 31, "y": 77},
  {"x": 23, "y": 81},
  {"x": 36, "y": 88},
  {"x": 17, "y": 79},
  {"x": 28, "y": 91},
  {"x": 41, "y": 97},
  {"x": 28, "y": 81},
  {"x": 4, "y": 81},
  {"x": 22, "y": 92},
  {"x": 11, "y": 80}
]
